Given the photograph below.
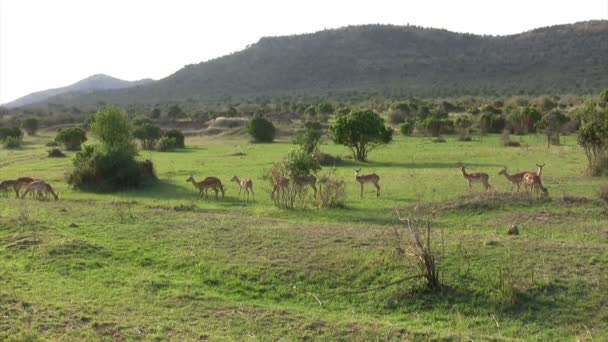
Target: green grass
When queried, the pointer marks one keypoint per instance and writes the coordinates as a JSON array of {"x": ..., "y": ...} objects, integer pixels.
[{"x": 160, "y": 264}]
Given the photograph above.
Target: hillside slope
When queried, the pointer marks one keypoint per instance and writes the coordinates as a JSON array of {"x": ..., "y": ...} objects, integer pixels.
[
  {"x": 389, "y": 60},
  {"x": 92, "y": 83}
]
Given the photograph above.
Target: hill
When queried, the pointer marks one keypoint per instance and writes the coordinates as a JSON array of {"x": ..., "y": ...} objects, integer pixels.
[
  {"x": 390, "y": 61},
  {"x": 92, "y": 83}
]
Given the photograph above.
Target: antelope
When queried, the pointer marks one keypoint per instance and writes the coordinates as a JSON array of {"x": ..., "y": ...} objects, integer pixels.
[
  {"x": 476, "y": 177},
  {"x": 303, "y": 181},
  {"x": 43, "y": 189},
  {"x": 22, "y": 182},
  {"x": 371, "y": 178},
  {"x": 538, "y": 173},
  {"x": 279, "y": 184},
  {"x": 207, "y": 183},
  {"x": 516, "y": 178},
  {"x": 245, "y": 184},
  {"x": 6, "y": 185},
  {"x": 533, "y": 181}
]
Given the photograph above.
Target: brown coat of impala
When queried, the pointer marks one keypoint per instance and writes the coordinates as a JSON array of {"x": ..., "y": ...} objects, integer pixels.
[
  {"x": 303, "y": 181},
  {"x": 208, "y": 183},
  {"x": 245, "y": 184},
  {"x": 517, "y": 178},
  {"x": 476, "y": 177},
  {"x": 365, "y": 179},
  {"x": 42, "y": 189}
]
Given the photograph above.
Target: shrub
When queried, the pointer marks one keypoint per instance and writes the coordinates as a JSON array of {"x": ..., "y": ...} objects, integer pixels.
[
  {"x": 180, "y": 140},
  {"x": 310, "y": 139},
  {"x": 407, "y": 128},
  {"x": 56, "y": 153},
  {"x": 31, "y": 125},
  {"x": 11, "y": 142},
  {"x": 6, "y": 132},
  {"x": 52, "y": 144},
  {"x": 166, "y": 144},
  {"x": 299, "y": 163},
  {"x": 593, "y": 136},
  {"x": 71, "y": 138},
  {"x": 261, "y": 130},
  {"x": 325, "y": 159}
]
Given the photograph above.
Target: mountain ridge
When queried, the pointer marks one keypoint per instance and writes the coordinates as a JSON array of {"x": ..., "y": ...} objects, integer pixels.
[{"x": 387, "y": 60}]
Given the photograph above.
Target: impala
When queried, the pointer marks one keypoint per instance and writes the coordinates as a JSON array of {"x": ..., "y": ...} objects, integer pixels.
[
  {"x": 476, "y": 177},
  {"x": 22, "y": 182},
  {"x": 516, "y": 178},
  {"x": 279, "y": 184},
  {"x": 245, "y": 184},
  {"x": 303, "y": 181},
  {"x": 208, "y": 183},
  {"x": 538, "y": 173},
  {"x": 42, "y": 189},
  {"x": 534, "y": 183},
  {"x": 371, "y": 178},
  {"x": 6, "y": 185}
]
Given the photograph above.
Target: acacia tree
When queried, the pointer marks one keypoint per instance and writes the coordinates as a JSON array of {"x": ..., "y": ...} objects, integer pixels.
[
  {"x": 310, "y": 139},
  {"x": 148, "y": 134},
  {"x": 360, "y": 131},
  {"x": 552, "y": 124},
  {"x": 71, "y": 138},
  {"x": 593, "y": 135},
  {"x": 30, "y": 125}
]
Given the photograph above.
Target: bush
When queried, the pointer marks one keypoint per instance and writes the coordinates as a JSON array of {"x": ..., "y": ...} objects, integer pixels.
[
  {"x": 56, "y": 153},
  {"x": 71, "y": 138},
  {"x": 310, "y": 139},
  {"x": 180, "y": 140},
  {"x": 52, "y": 144},
  {"x": 11, "y": 142},
  {"x": 166, "y": 144},
  {"x": 148, "y": 134},
  {"x": 261, "y": 130},
  {"x": 407, "y": 128},
  {"x": 6, "y": 132},
  {"x": 31, "y": 125},
  {"x": 325, "y": 159},
  {"x": 299, "y": 163}
]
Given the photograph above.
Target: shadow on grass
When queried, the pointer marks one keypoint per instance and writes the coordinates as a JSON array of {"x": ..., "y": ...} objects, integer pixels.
[{"x": 423, "y": 165}]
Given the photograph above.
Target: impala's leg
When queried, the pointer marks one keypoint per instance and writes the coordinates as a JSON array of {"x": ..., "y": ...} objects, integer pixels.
[
  {"x": 253, "y": 194},
  {"x": 314, "y": 188},
  {"x": 377, "y": 189},
  {"x": 361, "y": 190}
]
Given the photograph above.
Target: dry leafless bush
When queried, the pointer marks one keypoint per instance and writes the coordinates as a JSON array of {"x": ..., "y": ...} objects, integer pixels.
[
  {"x": 283, "y": 192},
  {"x": 332, "y": 191}
]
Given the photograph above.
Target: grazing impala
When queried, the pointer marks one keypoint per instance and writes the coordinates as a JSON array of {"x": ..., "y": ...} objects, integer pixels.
[
  {"x": 476, "y": 177},
  {"x": 208, "y": 183},
  {"x": 533, "y": 182},
  {"x": 245, "y": 184},
  {"x": 371, "y": 178},
  {"x": 42, "y": 189},
  {"x": 303, "y": 181},
  {"x": 22, "y": 182},
  {"x": 538, "y": 173},
  {"x": 516, "y": 178},
  {"x": 6, "y": 185}
]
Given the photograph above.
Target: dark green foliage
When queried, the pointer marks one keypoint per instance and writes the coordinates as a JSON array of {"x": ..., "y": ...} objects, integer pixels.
[
  {"x": 175, "y": 112},
  {"x": 462, "y": 124},
  {"x": 593, "y": 136},
  {"x": 360, "y": 131},
  {"x": 434, "y": 126},
  {"x": 52, "y": 143},
  {"x": 11, "y": 142},
  {"x": 167, "y": 144},
  {"x": 261, "y": 130},
  {"x": 325, "y": 159},
  {"x": 407, "y": 128},
  {"x": 111, "y": 165},
  {"x": 524, "y": 120},
  {"x": 155, "y": 113},
  {"x": 178, "y": 136},
  {"x": 14, "y": 132},
  {"x": 148, "y": 134},
  {"x": 31, "y": 125},
  {"x": 310, "y": 139},
  {"x": 300, "y": 163},
  {"x": 71, "y": 138},
  {"x": 55, "y": 153},
  {"x": 552, "y": 124}
]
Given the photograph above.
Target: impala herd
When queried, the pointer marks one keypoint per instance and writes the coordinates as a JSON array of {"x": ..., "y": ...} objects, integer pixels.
[{"x": 531, "y": 181}]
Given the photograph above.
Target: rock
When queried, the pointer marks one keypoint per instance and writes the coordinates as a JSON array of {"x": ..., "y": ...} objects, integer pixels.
[{"x": 513, "y": 230}]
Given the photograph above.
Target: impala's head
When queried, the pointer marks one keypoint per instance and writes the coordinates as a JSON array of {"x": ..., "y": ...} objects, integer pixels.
[
  {"x": 56, "y": 196},
  {"x": 462, "y": 168},
  {"x": 540, "y": 166},
  {"x": 357, "y": 171},
  {"x": 234, "y": 179},
  {"x": 503, "y": 171},
  {"x": 191, "y": 179}
]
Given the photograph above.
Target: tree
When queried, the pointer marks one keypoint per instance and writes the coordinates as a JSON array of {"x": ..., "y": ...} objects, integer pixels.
[
  {"x": 261, "y": 130},
  {"x": 148, "y": 134},
  {"x": 593, "y": 136},
  {"x": 31, "y": 125},
  {"x": 524, "y": 120},
  {"x": 325, "y": 108},
  {"x": 309, "y": 140},
  {"x": 155, "y": 113},
  {"x": 71, "y": 138},
  {"x": 360, "y": 131},
  {"x": 12, "y": 132},
  {"x": 551, "y": 124},
  {"x": 463, "y": 123},
  {"x": 111, "y": 127},
  {"x": 177, "y": 136},
  {"x": 175, "y": 112}
]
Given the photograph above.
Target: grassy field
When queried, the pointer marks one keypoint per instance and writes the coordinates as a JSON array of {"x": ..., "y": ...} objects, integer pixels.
[{"x": 158, "y": 264}]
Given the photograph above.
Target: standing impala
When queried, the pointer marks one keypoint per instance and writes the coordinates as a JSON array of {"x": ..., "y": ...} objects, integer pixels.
[
  {"x": 371, "y": 178},
  {"x": 303, "y": 181},
  {"x": 476, "y": 177},
  {"x": 245, "y": 184},
  {"x": 533, "y": 182},
  {"x": 516, "y": 178},
  {"x": 208, "y": 183}
]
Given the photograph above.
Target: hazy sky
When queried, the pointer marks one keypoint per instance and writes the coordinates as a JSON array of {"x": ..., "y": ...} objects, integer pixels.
[{"x": 46, "y": 44}]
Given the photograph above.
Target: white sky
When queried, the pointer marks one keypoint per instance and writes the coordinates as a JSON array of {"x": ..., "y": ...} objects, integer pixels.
[{"x": 52, "y": 43}]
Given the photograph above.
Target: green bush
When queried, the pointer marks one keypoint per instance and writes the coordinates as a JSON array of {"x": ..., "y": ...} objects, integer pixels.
[
  {"x": 71, "y": 138},
  {"x": 6, "y": 132},
  {"x": 360, "y": 131},
  {"x": 310, "y": 139},
  {"x": 148, "y": 133},
  {"x": 31, "y": 125},
  {"x": 407, "y": 128},
  {"x": 178, "y": 136},
  {"x": 52, "y": 144},
  {"x": 56, "y": 153},
  {"x": 299, "y": 163},
  {"x": 11, "y": 142},
  {"x": 167, "y": 144},
  {"x": 261, "y": 130}
]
